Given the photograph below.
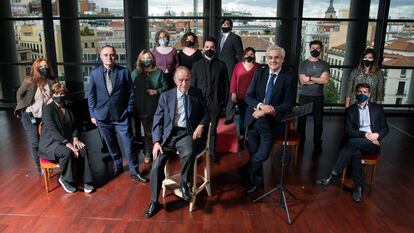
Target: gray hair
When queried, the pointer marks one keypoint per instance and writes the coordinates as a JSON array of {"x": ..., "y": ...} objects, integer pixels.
[
  {"x": 181, "y": 68},
  {"x": 276, "y": 47}
]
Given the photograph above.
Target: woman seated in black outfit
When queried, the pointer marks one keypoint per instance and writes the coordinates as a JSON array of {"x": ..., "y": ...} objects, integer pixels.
[
  {"x": 59, "y": 142},
  {"x": 190, "y": 52}
]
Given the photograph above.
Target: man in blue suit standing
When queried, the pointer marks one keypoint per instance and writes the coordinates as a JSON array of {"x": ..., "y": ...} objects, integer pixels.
[
  {"x": 179, "y": 121},
  {"x": 271, "y": 94},
  {"x": 111, "y": 103}
]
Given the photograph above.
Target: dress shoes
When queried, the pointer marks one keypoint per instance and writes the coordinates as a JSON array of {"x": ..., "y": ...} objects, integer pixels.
[
  {"x": 327, "y": 181},
  {"x": 140, "y": 178},
  {"x": 118, "y": 171},
  {"x": 252, "y": 189},
  {"x": 152, "y": 209},
  {"x": 357, "y": 194},
  {"x": 186, "y": 192}
]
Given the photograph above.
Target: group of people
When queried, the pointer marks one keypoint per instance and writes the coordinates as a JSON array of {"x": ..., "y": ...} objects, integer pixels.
[{"x": 177, "y": 96}]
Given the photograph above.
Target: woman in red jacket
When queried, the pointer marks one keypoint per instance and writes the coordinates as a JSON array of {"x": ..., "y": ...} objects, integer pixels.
[{"x": 240, "y": 81}]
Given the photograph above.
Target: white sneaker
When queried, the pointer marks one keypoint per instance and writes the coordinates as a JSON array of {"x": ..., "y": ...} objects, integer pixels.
[{"x": 88, "y": 188}]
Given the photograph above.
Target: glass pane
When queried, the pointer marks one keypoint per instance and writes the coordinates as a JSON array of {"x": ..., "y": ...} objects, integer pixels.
[
  {"x": 326, "y": 9},
  {"x": 30, "y": 40},
  {"x": 258, "y": 34},
  {"x": 401, "y": 9},
  {"x": 331, "y": 33},
  {"x": 94, "y": 34},
  {"x": 398, "y": 85},
  {"x": 175, "y": 8},
  {"x": 266, "y": 8},
  {"x": 399, "y": 44},
  {"x": 26, "y": 8},
  {"x": 373, "y": 10},
  {"x": 101, "y": 8},
  {"x": 176, "y": 28}
]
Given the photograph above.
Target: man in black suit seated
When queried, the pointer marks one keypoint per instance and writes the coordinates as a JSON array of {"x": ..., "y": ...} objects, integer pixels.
[
  {"x": 210, "y": 76},
  {"x": 179, "y": 121},
  {"x": 271, "y": 94},
  {"x": 365, "y": 127}
]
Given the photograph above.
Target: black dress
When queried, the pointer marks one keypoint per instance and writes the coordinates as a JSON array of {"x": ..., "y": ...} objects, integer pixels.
[{"x": 188, "y": 61}]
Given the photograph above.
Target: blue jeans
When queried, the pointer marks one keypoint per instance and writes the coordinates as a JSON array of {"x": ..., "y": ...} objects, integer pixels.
[{"x": 32, "y": 134}]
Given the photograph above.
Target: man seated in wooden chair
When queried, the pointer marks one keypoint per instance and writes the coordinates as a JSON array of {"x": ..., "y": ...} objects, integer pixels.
[
  {"x": 365, "y": 127},
  {"x": 179, "y": 122}
]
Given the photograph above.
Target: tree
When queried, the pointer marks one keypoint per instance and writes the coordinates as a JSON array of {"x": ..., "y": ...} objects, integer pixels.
[{"x": 331, "y": 93}]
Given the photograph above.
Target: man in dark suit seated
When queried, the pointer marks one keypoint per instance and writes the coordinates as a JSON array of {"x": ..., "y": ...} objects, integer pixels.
[
  {"x": 111, "y": 104},
  {"x": 179, "y": 121},
  {"x": 271, "y": 94},
  {"x": 210, "y": 76},
  {"x": 365, "y": 127}
]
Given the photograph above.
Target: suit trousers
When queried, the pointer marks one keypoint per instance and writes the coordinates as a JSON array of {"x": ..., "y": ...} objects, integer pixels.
[
  {"x": 74, "y": 169},
  {"x": 317, "y": 118},
  {"x": 181, "y": 142},
  {"x": 108, "y": 130},
  {"x": 260, "y": 140},
  {"x": 214, "y": 110},
  {"x": 351, "y": 153}
]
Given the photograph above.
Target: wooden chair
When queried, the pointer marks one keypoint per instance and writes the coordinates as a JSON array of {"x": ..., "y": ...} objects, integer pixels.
[
  {"x": 292, "y": 142},
  {"x": 170, "y": 182},
  {"x": 46, "y": 166},
  {"x": 368, "y": 160}
]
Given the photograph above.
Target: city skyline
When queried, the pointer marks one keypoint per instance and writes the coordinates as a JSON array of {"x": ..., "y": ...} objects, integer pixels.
[{"x": 399, "y": 8}]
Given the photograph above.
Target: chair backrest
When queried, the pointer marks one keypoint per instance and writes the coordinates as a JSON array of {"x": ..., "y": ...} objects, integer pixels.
[{"x": 39, "y": 128}]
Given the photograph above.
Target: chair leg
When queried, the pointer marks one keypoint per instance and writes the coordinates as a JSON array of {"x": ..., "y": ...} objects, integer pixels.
[
  {"x": 296, "y": 151},
  {"x": 46, "y": 178},
  {"x": 374, "y": 168},
  {"x": 343, "y": 176},
  {"x": 167, "y": 176},
  {"x": 207, "y": 174}
]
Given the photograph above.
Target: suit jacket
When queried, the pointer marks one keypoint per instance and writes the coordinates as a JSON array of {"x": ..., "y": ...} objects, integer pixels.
[
  {"x": 232, "y": 51},
  {"x": 163, "y": 122},
  {"x": 378, "y": 121},
  {"x": 219, "y": 80},
  {"x": 53, "y": 133},
  {"x": 25, "y": 94},
  {"x": 119, "y": 103},
  {"x": 282, "y": 99}
]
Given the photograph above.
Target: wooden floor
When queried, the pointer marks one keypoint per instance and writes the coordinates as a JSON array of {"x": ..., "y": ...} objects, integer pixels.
[{"x": 118, "y": 205}]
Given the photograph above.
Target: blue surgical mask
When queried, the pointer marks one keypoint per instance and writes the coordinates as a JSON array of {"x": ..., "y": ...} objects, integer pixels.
[
  {"x": 361, "y": 98},
  {"x": 163, "y": 42}
]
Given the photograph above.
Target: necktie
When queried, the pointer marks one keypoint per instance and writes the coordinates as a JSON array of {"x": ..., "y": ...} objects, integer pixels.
[
  {"x": 187, "y": 121},
  {"x": 223, "y": 38},
  {"x": 108, "y": 81},
  {"x": 269, "y": 89}
]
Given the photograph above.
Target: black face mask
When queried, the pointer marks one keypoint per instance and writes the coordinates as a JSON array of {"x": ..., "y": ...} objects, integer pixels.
[
  {"x": 59, "y": 99},
  {"x": 209, "y": 53},
  {"x": 249, "y": 59},
  {"x": 44, "y": 72},
  {"x": 225, "y": 29},
  {"x": 315, "y": 53},
  {"x": 189, "y": 43},
  {"x": 367, "y": 63}
]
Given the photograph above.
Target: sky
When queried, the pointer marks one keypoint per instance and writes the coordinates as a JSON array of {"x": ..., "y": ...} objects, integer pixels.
[{"x": 312, "y": 8}]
